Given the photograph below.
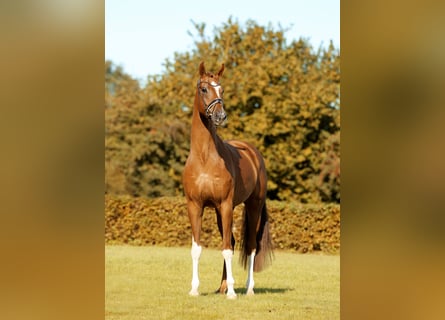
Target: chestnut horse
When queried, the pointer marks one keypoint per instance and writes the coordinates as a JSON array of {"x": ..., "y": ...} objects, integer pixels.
[{"x": 223, "y": 175}]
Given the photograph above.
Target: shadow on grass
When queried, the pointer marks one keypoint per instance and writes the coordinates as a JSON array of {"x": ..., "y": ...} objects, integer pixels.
[
  {"x": 242, "y": 291},
  {"x": 264, "y": 290},
  {"x": 267, "y": 290}
]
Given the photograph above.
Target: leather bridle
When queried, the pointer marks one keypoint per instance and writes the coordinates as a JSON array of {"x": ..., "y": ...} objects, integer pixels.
[{"x": 211, "y": 106}]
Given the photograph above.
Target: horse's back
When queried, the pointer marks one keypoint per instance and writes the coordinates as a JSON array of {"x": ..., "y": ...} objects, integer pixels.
[{"x": 245, "y": 149}]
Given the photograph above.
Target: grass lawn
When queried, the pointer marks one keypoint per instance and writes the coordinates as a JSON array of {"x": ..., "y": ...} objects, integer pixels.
[{"x": 153, "y": 283}]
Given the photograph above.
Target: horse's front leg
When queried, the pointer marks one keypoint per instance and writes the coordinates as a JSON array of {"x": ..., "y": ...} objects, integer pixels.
[
  {"x": 196, "y": 253},
  {"x": 195, "y": 213},
  {"x": 227, "y": 252}
]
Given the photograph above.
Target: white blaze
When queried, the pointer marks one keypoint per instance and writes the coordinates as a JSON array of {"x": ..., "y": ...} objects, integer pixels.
[{"x": 216, "y": 86}]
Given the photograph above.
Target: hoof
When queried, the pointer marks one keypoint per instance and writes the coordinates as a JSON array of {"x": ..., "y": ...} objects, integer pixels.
[
  {"x": 220, "y": 291},
  {"x": 193, "y": 293},
  {"x": 223, "y": 288},
  {"x": 231, "y": 296},
  {"x": 250, "y": 292}
]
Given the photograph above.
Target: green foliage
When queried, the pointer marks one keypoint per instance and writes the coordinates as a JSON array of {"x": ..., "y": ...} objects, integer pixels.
[
  {"x": 164, "y": 221},
  {"x": 284, "y": 98}
]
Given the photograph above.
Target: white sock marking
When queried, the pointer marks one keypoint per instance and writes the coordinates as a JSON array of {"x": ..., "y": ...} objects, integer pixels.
[
  {"x": 195, "y": 253},
  {"x": 250, "y": 282},
  {"x": 228, "y": 254}
]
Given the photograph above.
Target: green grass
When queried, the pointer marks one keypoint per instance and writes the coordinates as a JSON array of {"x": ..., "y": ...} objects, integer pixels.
[{"x": 153, "y": 283}]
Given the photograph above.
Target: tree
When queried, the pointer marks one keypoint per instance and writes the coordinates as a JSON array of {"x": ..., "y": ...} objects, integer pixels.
[{"x": 283, "y": 98}]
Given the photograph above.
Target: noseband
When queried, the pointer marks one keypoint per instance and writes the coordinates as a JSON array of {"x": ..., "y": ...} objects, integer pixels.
[{"x": 211, "y": 106}]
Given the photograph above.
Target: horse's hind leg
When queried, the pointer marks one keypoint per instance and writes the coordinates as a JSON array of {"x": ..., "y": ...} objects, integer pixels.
[
  {"x": 223, "y": 287},
  {"x": 251, "y": 220},
  {"x": 250, "y": 283}
]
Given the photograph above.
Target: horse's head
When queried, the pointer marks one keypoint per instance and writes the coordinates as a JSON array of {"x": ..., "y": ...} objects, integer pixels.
[{"x": 211, "y": 95}]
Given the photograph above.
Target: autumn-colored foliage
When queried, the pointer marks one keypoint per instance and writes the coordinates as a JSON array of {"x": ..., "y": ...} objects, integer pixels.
[
  {"x": 164, "y": 221},
  {"x": 282, "y": 97}
]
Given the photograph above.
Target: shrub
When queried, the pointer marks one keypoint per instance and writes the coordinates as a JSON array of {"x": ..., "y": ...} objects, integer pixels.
[{"x": 164, "y": 221}]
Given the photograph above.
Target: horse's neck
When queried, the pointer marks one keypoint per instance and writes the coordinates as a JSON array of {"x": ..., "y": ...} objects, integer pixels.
[{"x": 204, "y": 140}]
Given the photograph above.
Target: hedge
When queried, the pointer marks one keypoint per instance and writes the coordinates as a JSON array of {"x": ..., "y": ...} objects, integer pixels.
[{"x": 164, "y": 222}]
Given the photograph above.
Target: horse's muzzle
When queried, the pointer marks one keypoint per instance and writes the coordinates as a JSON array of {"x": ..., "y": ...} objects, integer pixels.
[
  {"x": 219, "y": 117},
  {"x": 215, "y": 111}
]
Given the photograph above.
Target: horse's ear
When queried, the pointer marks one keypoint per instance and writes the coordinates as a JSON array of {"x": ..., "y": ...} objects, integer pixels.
[
  {"x": 202, "y": 69},
  {"x": 221, "y": 71}
]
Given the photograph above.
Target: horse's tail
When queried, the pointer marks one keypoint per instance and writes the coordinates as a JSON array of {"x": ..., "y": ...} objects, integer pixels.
[{"x": 264, "y": 246}]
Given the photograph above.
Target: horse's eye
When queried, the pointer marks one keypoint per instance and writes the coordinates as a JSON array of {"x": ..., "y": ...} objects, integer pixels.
[{"x": 204, "y": 90}]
